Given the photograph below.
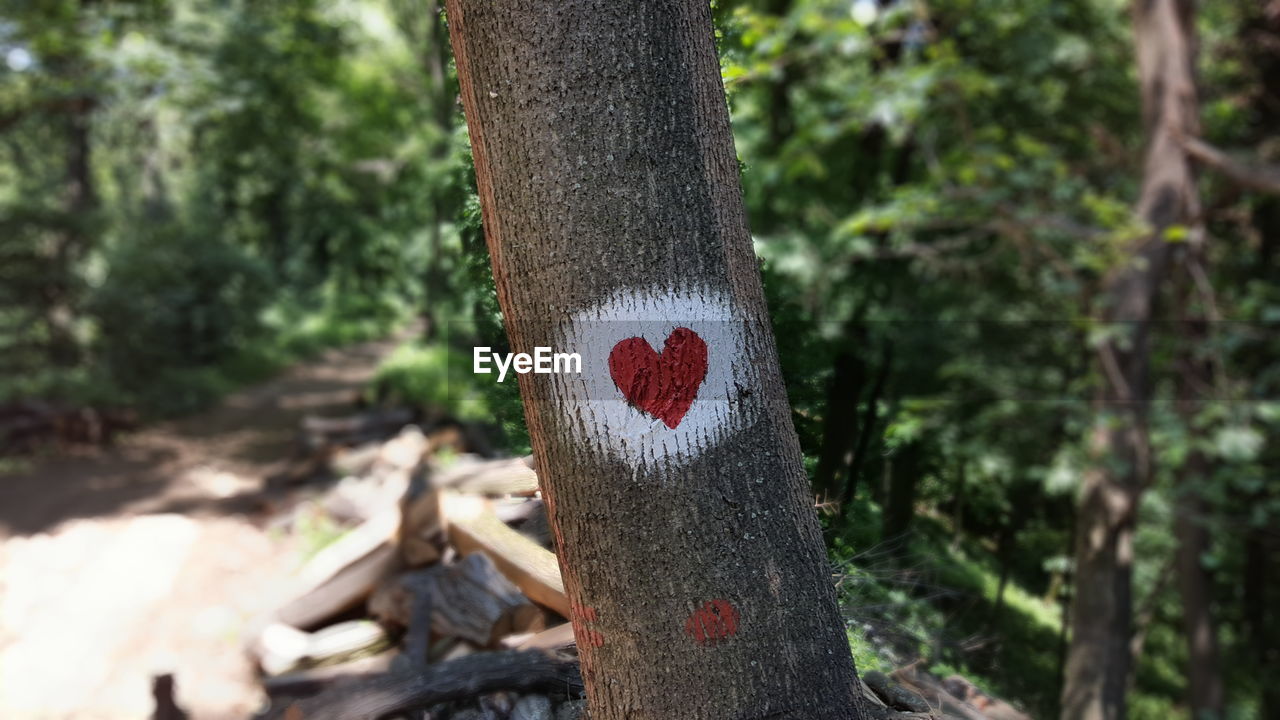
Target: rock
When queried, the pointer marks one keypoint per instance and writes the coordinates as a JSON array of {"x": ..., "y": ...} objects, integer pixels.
[
  {"x": 571, "y": 710},
  {"x": 499, "y": 704},
  {"x": 532, "y": 707}
]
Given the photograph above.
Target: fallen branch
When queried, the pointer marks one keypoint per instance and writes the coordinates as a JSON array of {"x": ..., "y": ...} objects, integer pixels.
[{"x": 467, "y": 677}]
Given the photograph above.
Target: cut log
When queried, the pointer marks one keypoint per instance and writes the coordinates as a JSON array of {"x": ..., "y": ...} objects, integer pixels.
[
  {"x": 281, "y": 649},
  {"x": 355, "y": 461},
  {"x": 470, "y": 600},
  {"x": 405, "y": 450},
  {"x": 557, "y": 638},
  {"x": 517, "y": 510},
  {"x": 497, "y": 477},
  {"x": 314, "y": 680},
  {"x": 341, "y": 576},
  {"x": 478, "y": 674},
  {"x": 471, "y": 526},
  {"x": 420, "y": 530},
  {"x": 362, "y": 498},
  {"x": 421, "y": 533}
]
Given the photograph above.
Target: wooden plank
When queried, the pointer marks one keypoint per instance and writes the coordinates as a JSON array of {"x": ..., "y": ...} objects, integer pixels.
[
  {"x": 472, "y": 526},
  {"x": 559, "y": 637},
  {"x": 281, "y": 648},
  {"x": 512, "y": 476},
  {"x": 341, "y": 576}
]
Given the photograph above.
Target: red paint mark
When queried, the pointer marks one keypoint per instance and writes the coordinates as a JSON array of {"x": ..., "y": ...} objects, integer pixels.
[
  {"x": 580, "y": 615},
  {"x": 713, "y": 622},
  {"x": 662, "y": 385},
  {"x": 592, "y": 638},
  {"x": 585, "y": 613}
]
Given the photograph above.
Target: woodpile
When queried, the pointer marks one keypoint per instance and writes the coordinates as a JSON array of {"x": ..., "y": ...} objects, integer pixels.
[{"x": 443, "y": 599}]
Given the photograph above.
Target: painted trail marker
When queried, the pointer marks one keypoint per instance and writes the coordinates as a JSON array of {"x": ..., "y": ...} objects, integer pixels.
[
  {"x": 664, "y": 375},
  {"x": 662, "y": 385}
]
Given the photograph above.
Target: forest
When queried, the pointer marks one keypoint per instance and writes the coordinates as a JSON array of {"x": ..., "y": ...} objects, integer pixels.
[{"x": 1021, "y": 258}]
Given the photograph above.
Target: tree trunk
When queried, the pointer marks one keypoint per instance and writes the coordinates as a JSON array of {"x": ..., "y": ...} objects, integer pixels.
[
  {"x": 901, "y": 504},
  {"x": 1194, "y": 384},
  {"x": 839, "y": 427},
  {"x": 434, "y": 60},
  {"x": 1261, "y": 565},
  {"x": 1204, "y": 674},
  {"x": 687, "y": 539},
  {"x": 1098, "y": 658},
  {"x": 81, "y": 200}
]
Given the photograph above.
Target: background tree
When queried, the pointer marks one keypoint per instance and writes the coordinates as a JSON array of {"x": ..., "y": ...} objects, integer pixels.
[{"x": 1102, "y": 608}]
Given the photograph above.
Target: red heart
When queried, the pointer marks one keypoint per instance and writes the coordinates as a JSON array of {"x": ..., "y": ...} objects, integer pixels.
[{"x": 663, "y": 385}]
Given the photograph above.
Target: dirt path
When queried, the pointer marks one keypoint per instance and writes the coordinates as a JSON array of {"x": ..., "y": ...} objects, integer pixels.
[{"x": 151, "y": 557}]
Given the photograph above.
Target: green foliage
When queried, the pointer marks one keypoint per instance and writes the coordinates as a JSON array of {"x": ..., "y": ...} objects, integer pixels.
[
  {"x": 194, "y": 194},
  {"x": 431, "y": 377},
  {"x": 172, "y": 302}
]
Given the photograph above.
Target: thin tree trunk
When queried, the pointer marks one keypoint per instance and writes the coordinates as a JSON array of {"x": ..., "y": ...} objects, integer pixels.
[
  {"x": 1004, "y": 551},
  {"x": 81, "y": 199},
  {"x": 609, "y": 189},
  {"x": 1204, "y": 673},
  {"x": 1098, "y": 658},
  {"x": 434, "y": 59},
  {"x": 960, "y": 492},
  {"x": 870, "y": 416},
  {"x": 900, "y": 507},
  {"x": 839, "y": 426},
  {"x": 1146, "y": 616},
  {"x": 1262, "y": 563},
  {"x": 1194, "y": 382}
]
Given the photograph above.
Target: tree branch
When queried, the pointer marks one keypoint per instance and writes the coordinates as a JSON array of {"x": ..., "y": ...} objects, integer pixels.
[{"x": 1263, "y": 178}]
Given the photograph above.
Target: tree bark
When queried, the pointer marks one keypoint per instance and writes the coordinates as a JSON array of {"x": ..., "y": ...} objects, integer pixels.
[
  {"x": 1098, "y": 658},
  {"x": 688, "y": 543}
]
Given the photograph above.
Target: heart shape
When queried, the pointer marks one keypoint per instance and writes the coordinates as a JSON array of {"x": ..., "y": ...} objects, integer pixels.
[{"x": 664, "y": 384}]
